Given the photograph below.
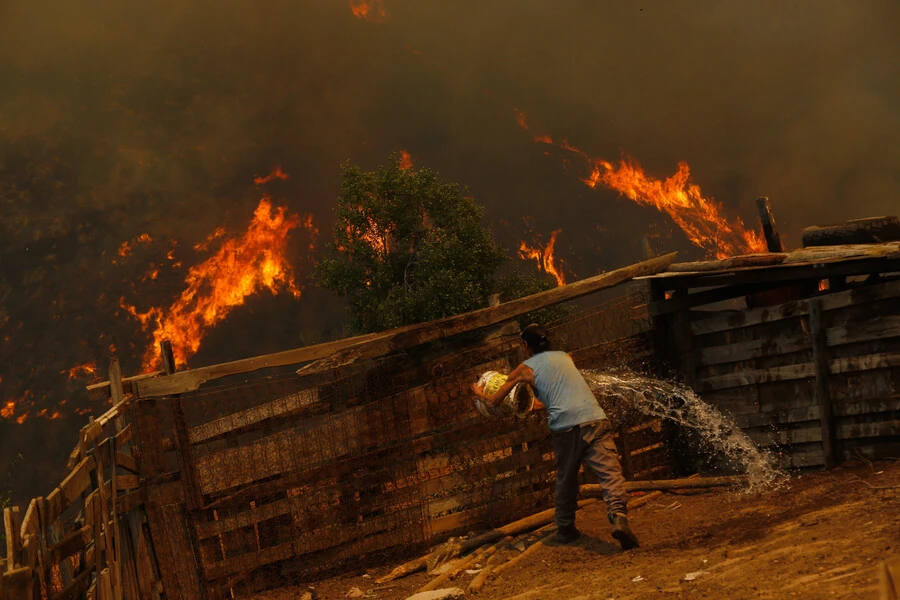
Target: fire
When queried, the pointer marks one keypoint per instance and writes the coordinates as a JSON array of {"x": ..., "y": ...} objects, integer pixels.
[
  {"x": 82, "y": 370},
  {"x": 544, "y": 257},
  {"x": 126, "y": 246},
  {"x": 8, "y": 409},
  {"x": 698, "y": 217},
  {"x": 276, "y": 174},
  {"x": 370, "y": 10},
  {"x": 405, "y": 160},
  {"x": 241, "y": 267}
]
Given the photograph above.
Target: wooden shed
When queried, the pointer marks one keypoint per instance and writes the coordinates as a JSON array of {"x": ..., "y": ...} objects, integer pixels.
[{"x": 801, "y": 347}]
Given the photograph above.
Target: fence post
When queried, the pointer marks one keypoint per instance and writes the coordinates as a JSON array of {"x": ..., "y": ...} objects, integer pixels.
[{"x": 823, "y": 389}]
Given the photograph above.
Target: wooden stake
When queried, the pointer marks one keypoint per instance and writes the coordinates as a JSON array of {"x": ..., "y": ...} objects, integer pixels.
[{"x": 773, "y": 240}]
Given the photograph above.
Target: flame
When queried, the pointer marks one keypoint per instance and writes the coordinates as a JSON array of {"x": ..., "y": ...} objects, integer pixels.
[
  {"x": 86, "y": 369},
  {"x": 405, "y": 160},
  {"x": 370, "y": 10},
  {"x": 698, "y": 217},
  {"x": 544, "y": 257},
  {"x": 276, "y": 174},
  {"x": 241, "y": 267},
  {"x": 824, "y": 285},
  {"x": 126, "y": 246},
  {"x": 8, "y": 409}
]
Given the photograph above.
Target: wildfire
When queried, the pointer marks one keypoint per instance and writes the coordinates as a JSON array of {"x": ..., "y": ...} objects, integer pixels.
[
  {"x": 276, "y": 174},
  {"x": 84, "y": 370},
  {"x": 544, "y": 257},
  {"x": 699, "y": 217},
  {"x": 405, "y": 160},
  {"x": 370, "y": 10},
  {"x": 126, "y": 246},
  {"x": 241, "y": 267}
]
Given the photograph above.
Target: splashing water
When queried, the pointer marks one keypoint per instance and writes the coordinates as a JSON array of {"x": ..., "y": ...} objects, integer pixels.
[{"x": 682, "y": 406}]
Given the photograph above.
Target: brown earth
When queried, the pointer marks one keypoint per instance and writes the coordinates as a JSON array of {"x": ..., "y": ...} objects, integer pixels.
[{"x": 821, "y": 536}]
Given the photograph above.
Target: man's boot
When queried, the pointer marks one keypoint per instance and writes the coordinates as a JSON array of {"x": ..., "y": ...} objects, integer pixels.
[{"x": 622, "y": 532}]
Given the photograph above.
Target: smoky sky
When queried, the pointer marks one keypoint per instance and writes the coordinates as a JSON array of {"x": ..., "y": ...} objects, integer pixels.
[{"x": 118, "y": 119}]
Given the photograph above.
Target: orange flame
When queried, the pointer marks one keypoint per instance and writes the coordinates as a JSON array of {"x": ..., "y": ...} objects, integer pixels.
[
  {"x": 370, "y": 10},
  {"x": 86, "y": 369},
  {"x": 544, "y": 257},
  {"x": 405, "y": 160},
  {"x": 276, "y": 174},
  {"x": 697, "y": 216},
  {"x": 241, "y": 267}
]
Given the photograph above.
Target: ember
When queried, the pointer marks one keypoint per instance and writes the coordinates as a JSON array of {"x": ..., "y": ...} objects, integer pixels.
[{"x": 369, "y": 10}]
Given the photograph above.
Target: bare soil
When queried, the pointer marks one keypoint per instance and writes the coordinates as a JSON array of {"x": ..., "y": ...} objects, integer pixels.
[{"x": 820, "y": 536}]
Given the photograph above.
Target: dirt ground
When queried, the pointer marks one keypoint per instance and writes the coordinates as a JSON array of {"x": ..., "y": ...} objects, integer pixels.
[{"x": 821, "y": 536}]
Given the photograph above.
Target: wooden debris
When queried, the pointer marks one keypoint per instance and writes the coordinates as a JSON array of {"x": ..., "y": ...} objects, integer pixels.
[{"x": 496, "y": 571}]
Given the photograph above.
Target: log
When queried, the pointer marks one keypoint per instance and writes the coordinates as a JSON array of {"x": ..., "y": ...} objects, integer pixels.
[
  {"x": 812, "y": 254},
  {"x": 638, "y": 502},
  {"x": 823, "y": 375},
  {"x": 871, "y": 230},
  {"x": 734, "y": 262},
  {"x": 377, "y": 344},
  {"x": 670, "y": 484},
  {"x": 773, "y": 240}
]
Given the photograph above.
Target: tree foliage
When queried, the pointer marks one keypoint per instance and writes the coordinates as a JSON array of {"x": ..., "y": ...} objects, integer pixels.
[{"x": 408, "y": 248}]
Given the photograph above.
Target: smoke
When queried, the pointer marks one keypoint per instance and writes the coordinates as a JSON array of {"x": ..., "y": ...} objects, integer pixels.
[{"x": 119, "y": 119}]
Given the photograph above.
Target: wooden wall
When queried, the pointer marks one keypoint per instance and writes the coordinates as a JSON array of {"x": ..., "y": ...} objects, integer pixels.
[{"x": 817, "y": 379}]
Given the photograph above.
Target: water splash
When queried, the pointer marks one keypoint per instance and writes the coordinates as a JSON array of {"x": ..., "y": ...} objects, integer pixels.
[{"x": 682, "y": 406}]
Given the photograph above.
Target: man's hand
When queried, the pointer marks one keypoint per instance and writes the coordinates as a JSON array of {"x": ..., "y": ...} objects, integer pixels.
[{"x": 479, "y": 391}]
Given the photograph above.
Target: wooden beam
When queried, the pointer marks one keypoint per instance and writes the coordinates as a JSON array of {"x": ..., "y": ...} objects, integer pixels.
[
  {"x": 773, "y": 240},
  {"x": 378, "y": 344},
  {"x": 823, "y": 389},
  {"x": 857, "y": 231}
]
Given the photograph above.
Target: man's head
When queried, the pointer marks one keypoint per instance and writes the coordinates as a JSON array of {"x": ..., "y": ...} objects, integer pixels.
[{"x": 536, "y": 338}]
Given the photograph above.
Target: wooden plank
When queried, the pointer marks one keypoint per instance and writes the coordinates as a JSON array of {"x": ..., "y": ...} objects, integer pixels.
[
  {"x": 757, "y": 376},
  {"x": 244, "y": 420},
  {"x": 713, "y": 321},
  {"x": 734, "y": 262},
  {"x": 767, "y": 220},
  {"x": 162, "y": 549},
  {"x": 799, "y": 371},
  {"x": 778, "y": 417},
  {"x": 71, "y": 488},
  {"x": 887, "y": 428},
  {"x": 757, "y": 348},
  {"x": 373, "y": 345},
  {"x": 880, "y": 327},
  {"x": 843, "y": 252},
  {"x": 127, "y": 462},
  {"x": 100, "y": 392},
  {"x": 131, "y": 500},
  {"x": 182, "y": 551},
  {"x": 74, "y": 542},
  {"x": 786, "y": 437},
  {"x": 12, "y": 527},
  {"x": 686, "y": 301}
]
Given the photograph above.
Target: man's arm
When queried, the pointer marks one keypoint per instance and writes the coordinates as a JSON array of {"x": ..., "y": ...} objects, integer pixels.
[{"x": 522, "y": 373}]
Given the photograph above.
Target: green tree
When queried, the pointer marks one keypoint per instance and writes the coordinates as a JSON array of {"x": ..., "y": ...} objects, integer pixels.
[{"x": 408, "y": 248}]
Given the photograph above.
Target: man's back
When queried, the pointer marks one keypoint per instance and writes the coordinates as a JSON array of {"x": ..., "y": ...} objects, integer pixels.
[{"x": 563, "y": 390}]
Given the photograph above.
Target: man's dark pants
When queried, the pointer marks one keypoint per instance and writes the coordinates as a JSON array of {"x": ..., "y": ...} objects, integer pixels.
[{"x": 591, "y": 443}]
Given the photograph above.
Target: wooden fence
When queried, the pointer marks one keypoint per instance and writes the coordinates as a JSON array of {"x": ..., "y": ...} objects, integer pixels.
[
  {"x": 88, "y": 538},
  {"x": 816, "y": 379}
]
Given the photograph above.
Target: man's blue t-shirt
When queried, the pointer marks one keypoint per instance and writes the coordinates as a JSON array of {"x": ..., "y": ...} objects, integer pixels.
[{"x": 563, "y": 390}]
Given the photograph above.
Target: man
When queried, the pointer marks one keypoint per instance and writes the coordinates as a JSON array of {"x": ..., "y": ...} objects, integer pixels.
[{"x": 580, "y": 430}]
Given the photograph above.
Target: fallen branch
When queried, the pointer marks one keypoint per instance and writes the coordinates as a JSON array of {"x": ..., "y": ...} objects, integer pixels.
[{"x": 637, "y": 502}]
